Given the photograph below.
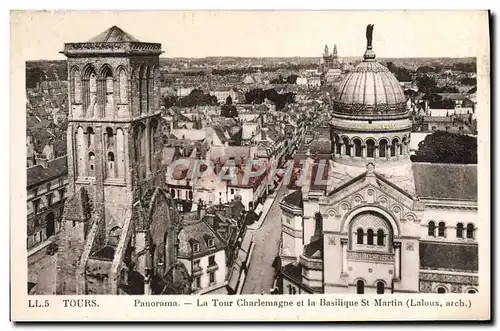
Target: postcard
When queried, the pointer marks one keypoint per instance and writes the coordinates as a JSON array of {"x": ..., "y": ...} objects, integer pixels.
[{"x": 250, "y": 165}]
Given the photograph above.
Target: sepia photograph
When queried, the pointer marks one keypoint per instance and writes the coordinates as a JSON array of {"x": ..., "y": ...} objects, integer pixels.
[{"x": 228, "y": 156}]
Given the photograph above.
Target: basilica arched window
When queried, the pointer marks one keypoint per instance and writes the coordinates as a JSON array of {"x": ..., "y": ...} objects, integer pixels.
[
  {"x": 357, "y": 147},
  {"x": 369, "y": 237},
  {"x": 360, "y": 287},
  {"x": 372, "y": 229},
  {"x": 380, "y": 237},
  {"x": 472, "y": 291},
  {"x": 382, "y": 148},
  {"x": 360, "y": 236},
  {"x": 393, "y": 146},
  {"x": 460, "y": 230},
  {"x": 441, "y": 290},
  {"x": 441, "y": 229},
  {"x": 431, "y": 229},
  {"x": 470, "y": 231},
  {"x": 172, "y": 193},
  {"x": 380, "y": 287},
  {"x": 345, "y": 140},
  {"x": 370, "y": 148},
  {"x": 401, "y": 148}
]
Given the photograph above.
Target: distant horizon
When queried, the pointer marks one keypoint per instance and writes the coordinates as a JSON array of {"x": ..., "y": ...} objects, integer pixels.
[{"x": 284, "y": 57}]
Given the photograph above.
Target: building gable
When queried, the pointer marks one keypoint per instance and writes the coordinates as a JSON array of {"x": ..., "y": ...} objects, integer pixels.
[{"x": 371, "y": 190}]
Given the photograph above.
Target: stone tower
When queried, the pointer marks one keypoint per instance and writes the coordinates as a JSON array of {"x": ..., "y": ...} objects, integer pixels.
[{"x": 114, "y": 150}]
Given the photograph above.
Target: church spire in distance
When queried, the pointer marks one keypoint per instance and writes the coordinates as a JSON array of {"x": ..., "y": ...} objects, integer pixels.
[{"x": 326, "y": 52}]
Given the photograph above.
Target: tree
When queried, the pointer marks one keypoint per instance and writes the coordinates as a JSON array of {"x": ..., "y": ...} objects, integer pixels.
[
  {"x": 446, "y": 147},
  {"x": 468, "y": 81},
  {"x": 292, "y": 79},
  {"x": 426, "y": 69},
  {"x": 426, "y": 84}
]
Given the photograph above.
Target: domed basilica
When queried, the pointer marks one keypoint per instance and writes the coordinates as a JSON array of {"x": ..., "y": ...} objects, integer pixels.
[{"x": 380, "y": 223}]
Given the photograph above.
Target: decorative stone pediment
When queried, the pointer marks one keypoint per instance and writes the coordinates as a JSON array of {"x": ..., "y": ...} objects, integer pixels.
[{"x": 372, "y": 189}]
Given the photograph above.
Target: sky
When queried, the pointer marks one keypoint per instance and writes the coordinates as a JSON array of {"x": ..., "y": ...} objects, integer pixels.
[{"x": 41, "y": 35}]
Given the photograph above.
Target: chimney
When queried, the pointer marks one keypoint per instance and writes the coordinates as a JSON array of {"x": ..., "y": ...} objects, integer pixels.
[{"x": 210, "y": 218}]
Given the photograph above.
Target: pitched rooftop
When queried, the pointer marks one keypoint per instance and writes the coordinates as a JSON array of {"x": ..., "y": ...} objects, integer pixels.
[
  {"x": 113, "y": 35},
  {"x": 445, "y": 181}
]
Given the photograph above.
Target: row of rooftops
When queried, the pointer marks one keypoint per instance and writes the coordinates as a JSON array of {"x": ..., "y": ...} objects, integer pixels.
[{"x": 40, "y": 174}]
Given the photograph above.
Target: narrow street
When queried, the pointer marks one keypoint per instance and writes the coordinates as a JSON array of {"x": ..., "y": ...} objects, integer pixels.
[
  {"x": 266, "y": 239},
  {"x": 42, "y": 272}
]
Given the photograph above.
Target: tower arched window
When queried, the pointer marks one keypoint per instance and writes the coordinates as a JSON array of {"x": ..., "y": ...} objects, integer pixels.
[
  {"x": 91, "y": 164},
  {"x": 370, "y": 148},
  {"x": 382, "y": 150},
  {"x": 470, "y": 231},
  {"x": 431, "y": 229},
  {"x": 109, "y": 137},
  {"x": 123, "y": 86},
  {"x": 441, "y": 229},
  {"x": 76, "y": 91},
  {"x": 393, "y": 146},
  {"x": 460, "y": 230},
  {"x": 90, "y": 137},
  {"x": 380, "y": 238},
  {"x": 360, "y": 236},
  {"x": 369, "y": 237},
  {"x": 111, "y": 164},
  {"x": 360, "y": 287},
  {"x": 380, "y": 287}
]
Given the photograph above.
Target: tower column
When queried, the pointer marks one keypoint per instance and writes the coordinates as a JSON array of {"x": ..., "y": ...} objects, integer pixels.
[
  {"x": 115, "y": 151},
  {"x": 376, "y": 152},
  {"x": 342, "y": 149},
  {"x": 363, "y": 151},
  {"x": 99, "y": 168},
  {"x": 148, "y": 148},
  {"x": 126, "y": 164}
]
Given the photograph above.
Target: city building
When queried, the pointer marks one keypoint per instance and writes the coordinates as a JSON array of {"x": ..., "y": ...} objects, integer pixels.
[
  {"x": 203, "y": 253},
  {"x": 368, "y": 220},
  {"x": 47, "y": 184}
]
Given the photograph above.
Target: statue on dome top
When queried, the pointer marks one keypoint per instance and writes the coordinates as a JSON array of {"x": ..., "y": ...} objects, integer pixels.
[{"x": 369, "y": 35}]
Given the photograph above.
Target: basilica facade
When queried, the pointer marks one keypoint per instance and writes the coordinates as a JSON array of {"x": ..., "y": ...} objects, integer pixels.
[{"x": 380, "y": 223}]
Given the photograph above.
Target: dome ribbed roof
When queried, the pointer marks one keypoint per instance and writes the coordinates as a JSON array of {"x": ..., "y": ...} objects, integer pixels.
[
  {"x": 370, "y": 88},
  {"x": 370, "y": 83}
]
